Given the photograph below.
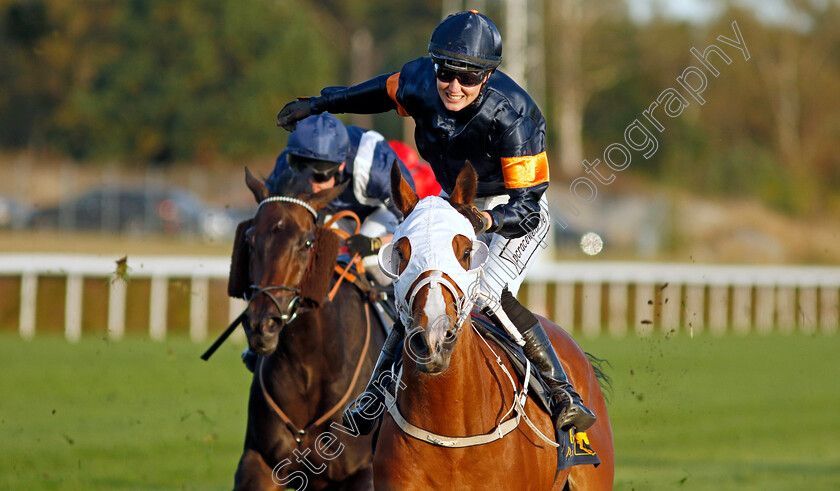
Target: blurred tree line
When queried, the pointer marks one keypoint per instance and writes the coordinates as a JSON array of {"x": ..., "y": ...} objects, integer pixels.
[{"x": 162, "y": 81}]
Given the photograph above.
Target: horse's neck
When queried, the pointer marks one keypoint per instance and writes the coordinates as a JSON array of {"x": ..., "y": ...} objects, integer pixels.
[
  {"x": 300, "y": 367},
  {"x": 293, "y": 366},
  {"x": 314, "y": 361},
  {"x": 466, "y": 399}
]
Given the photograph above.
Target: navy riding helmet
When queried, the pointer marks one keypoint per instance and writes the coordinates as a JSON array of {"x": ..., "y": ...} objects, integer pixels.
[
  {"x": 466, "y": 41},
  {"x": 322, "y": 137}
]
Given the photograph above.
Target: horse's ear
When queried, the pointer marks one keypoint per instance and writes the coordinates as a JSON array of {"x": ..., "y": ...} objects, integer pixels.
[
  {"x": 256, "y": 186},
  {"x": 321, "y": 198},
  {"x": 404, "y": 198},
  {"x": 465, "y": 185}
]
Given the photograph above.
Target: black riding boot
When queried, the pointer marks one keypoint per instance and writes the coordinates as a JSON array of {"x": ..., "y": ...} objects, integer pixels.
[
  {"x": 362, "y": 407},
  {"x": 567, "y": 406}
]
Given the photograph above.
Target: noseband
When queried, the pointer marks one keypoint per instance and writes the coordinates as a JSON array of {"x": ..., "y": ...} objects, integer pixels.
[
  {"x": 291, "y": 311},
  {"x": 463, "y": 302}
]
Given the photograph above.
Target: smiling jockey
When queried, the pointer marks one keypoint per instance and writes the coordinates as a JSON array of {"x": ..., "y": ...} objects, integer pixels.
[{"x": 465, "y": 109}]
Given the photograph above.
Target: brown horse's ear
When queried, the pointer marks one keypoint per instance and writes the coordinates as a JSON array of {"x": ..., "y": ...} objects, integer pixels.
[
  {"x": 404, "y": 198},
  {"x": 256, "y": 186},
  {"x": 239, "y": 281},
  {"x": 321, "y": 198},
  {"x": 465, "y": 186}
]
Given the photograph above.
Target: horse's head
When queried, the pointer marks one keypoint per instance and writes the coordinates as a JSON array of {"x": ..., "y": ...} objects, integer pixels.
[
  {"x": 275, "y": 248},
  {"x": 434, "y": 260}
]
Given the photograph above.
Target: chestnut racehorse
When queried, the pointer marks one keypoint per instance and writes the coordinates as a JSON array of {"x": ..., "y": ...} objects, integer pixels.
[
  {"x": 454, "y": 386},
  {"x": 311, "y": 359}
]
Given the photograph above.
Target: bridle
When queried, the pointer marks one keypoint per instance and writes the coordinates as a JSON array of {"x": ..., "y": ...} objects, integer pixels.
[
  {"x": 292, "y": 310},
  {"x": 462, "y": 301},
  {"x": 290, "y": 313}
]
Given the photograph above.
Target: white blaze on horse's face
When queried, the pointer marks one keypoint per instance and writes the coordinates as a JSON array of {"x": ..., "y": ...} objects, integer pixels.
[{"x": 430, "y": 229}]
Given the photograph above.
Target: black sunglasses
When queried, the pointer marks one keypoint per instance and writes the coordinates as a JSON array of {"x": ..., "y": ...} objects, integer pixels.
[
  {"x": 302, "y": 164},
  {"x": 321, "y": 177},
  {"x": 467, "y": 79}
]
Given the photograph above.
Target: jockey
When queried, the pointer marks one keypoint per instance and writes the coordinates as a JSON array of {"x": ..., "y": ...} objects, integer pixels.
[
  {"x": 323, "y": 153},
  {"x": 465, "y": 109}
]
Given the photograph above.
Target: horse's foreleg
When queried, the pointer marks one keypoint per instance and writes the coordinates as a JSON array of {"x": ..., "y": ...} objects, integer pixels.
[{"x": 253, "y": 473}]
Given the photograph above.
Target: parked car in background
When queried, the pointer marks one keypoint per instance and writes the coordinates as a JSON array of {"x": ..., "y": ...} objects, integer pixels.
[
  {"x": 138, "y": 211},
  {"x": 13, "y": 213}
]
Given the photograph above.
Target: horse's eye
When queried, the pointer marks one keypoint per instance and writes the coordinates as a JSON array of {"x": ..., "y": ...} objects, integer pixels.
[
  {"x": 308, "y": 244},
  {"x": 467, "y": 254}
]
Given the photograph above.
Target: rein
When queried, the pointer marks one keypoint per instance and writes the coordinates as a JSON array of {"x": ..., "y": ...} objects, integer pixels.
[
  {"x": 356, "y": 259},
  {"x": 299, "y": 433}
]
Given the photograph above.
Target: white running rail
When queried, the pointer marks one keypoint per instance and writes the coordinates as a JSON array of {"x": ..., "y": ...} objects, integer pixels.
[{"x": 593, "y": 298}]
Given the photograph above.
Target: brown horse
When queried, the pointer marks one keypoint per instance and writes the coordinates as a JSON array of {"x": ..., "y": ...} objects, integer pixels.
[
  {"x": 454, "y": 387},
  {"x": 311, "y": 359}
]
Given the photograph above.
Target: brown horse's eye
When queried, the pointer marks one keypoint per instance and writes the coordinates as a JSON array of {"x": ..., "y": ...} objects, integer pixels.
[
  {"x": 467, "y": 254},
  {"x": 308, "y": 244}
]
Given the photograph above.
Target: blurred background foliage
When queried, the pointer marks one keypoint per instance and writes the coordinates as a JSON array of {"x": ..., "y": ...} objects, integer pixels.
[{"x": 162, "y": 82}]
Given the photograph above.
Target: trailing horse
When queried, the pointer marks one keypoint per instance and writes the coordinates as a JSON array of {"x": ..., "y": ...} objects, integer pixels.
[
  {"x": 458, "y": 420},
  {"x": 314, "y": 354}
]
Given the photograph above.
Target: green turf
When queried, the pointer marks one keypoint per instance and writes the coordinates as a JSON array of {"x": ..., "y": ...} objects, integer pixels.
[
  {"x": 732, "y": 413},
  {"x": 133, "y": 414},
  {"x": 740, "y": 413}
]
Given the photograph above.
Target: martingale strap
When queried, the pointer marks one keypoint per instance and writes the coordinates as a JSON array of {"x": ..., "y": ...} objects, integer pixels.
[{"x": 299, "y": 433}]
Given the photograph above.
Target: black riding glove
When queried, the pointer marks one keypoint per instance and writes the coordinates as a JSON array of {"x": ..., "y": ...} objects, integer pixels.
[
  {"x": 363, "y": 245},
  {"x": 297, "y": 110},
  {"x": 479, "y": 222}
]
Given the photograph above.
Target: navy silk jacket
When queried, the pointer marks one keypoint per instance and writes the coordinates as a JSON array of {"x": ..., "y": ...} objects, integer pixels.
[{"x": 502, "y": 133}]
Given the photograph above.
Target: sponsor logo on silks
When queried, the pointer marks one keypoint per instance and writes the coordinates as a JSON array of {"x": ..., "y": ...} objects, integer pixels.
[{"x": 527, "y": 245}]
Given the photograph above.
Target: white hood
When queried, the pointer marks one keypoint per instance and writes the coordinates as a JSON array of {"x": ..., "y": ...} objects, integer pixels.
[{"x": 430, "y": 229}]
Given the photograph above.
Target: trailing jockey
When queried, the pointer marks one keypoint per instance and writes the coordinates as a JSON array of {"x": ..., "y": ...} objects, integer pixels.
[
  {"x": 321, "y": 153},
  {"x": 466, "y": 109}
]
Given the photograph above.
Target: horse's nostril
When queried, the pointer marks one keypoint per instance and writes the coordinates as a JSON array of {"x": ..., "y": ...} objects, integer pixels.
[
  {"x": 418, "y": 345},
  {"x": 266, "y": 325}
]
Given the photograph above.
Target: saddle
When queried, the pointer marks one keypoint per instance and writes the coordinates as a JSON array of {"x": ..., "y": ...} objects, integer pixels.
[{"x": 537, "y": 389}]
